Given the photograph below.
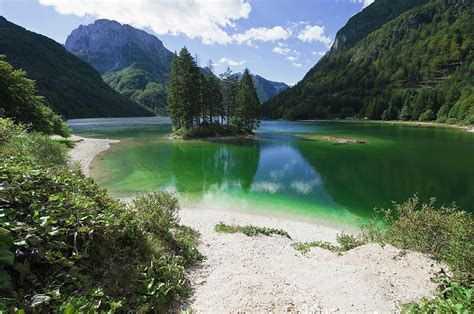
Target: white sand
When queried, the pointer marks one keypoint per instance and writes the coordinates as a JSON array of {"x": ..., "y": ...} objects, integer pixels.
[
  {"x": 86, "y": 149},
  {"x": 266, "y": 274}
]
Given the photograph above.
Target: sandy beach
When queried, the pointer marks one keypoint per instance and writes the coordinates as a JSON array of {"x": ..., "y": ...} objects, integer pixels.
[
  {"x": 266, "y": 274},
  {"x": 86, "y": 149}
]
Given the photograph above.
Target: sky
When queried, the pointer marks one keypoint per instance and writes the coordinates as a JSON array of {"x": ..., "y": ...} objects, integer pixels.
[{"x": 277, "y": 39}]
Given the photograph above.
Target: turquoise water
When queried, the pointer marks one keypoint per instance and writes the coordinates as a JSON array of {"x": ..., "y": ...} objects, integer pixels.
[{"x": 288, "y": 168}]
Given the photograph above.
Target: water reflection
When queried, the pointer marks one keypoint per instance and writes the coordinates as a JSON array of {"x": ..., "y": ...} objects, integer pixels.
[{"x": 277, "y": 169}]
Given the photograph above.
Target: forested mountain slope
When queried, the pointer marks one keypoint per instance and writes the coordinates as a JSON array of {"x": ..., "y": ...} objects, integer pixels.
[
  {"x": 131, "y": 61},
  {"x": 418, "y": 66},
  {"x": 70, "y": 86}
]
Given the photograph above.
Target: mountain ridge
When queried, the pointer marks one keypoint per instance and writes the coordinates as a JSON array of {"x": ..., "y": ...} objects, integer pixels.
[
  {"x": 70, "y": 86},
  {"x": 266, "y": 89},
  {"x": 416, "y": 66}
]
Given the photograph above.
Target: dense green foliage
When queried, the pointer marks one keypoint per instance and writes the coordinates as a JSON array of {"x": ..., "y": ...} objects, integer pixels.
[
  {"x": 203, "y": 101},
  {"x": 66, "y": 246},
  {"x": 18, "y": 100},
  {"x": 418, "y": 65},
  {"x": 445, "y": 232},
  {"x": 70, "y": 86},
  {"x": 346, "y": 242},
  {"x": 249, "y": 230}
]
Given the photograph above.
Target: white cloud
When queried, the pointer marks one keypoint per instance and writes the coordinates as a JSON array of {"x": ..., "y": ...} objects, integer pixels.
[
  {"x": 229, "y": 61},
  {"x": 291, "y": 58},
  {"x": 364, "y": 2},
  {"x": 282, "y": 50},
  {"x": 262, "y": 34},
  {"x": 297, "y": 65},
  {"x": 314, "y": 33},
  {"x": 319, "y": 53},
  {"x": 196, "y": 19}
]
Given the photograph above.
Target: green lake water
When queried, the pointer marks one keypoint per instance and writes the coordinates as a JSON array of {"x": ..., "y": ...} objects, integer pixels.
[{"x": 281, "y": 173}]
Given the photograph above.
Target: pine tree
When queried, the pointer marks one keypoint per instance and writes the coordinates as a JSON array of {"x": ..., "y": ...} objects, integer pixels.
[
  {"x": 191, "y": 89},
  {"x": 247, "y": 113},
  {"x": 184, "y": 91},
  {"x": 229, "y": 87},
  {"x": 175, "y": 97}
]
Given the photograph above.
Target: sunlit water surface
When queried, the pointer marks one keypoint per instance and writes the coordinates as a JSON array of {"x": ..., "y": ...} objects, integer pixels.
[{"x": 280, "y": 173}]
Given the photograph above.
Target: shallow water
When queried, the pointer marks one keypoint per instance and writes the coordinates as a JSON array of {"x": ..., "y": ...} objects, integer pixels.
[{"x": 281, "y": 173}]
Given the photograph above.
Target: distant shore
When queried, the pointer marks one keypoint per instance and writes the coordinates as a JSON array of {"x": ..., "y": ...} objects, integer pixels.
[
  {"x": 266, "y": 274},
  {"x": 467, "y": 128}
]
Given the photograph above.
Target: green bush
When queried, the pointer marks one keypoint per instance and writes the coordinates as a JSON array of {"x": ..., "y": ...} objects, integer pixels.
[
  {"x": 19, "y": 102},
  {"x": 452, "y": 298},
  {"x": 346, "y": 242},
  {"x": 34, "y": 146},
  {"x": 249, "y": 230},
  {"x": 208, "y": 130},
  {"x": 445, "y": 232},
  {"x": 66, "y": 246}
]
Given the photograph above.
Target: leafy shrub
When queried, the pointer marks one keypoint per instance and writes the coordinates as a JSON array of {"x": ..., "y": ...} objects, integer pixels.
[
  {"x": 36, "y": 146},
  {"x": 346, "y": 242},
  {"x": 19, "y": 102},
  {"x": 445, "y": 232},
  {"x": 65, "y": 245},
  {"x": 208, "y": 130},
  {"x": 249, "y": 230},
  {"x": 452, "y": 298}
]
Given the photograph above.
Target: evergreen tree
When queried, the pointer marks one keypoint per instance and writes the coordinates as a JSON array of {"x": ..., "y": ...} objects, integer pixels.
[
  {"x": 247, "y": 113},
  {"x": 211, "y": 98},
  {"x": 229, "y": 87},
  {"x": 175, "y": 97},
  {"x": 191, "y": 89},
  {"x": 184, "y": 91}
]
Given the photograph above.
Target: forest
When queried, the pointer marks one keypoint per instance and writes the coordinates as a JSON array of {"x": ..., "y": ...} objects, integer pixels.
[
  {"x": 202, "y": 105},
  {"x": 417, "y": 66}
]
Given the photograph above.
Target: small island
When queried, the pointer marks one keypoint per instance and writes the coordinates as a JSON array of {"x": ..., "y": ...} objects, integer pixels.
[{"x": 201, "y": 105}]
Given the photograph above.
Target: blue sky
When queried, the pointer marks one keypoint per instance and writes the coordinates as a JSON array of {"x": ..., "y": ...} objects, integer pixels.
[{"x": 277, "y": 39}]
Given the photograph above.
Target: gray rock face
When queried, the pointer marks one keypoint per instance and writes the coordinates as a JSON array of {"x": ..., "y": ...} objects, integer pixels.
[{"x": 110, "y": 46}]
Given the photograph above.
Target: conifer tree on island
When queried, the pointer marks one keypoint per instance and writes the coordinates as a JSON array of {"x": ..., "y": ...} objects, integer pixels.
[{"x": 203, "y": 105}]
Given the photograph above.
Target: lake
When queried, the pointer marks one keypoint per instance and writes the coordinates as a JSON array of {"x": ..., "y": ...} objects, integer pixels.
[{"x": 281, "y": 172}]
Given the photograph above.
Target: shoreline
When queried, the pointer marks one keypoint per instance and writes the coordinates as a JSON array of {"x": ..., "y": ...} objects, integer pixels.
[
  {"x": 429, "y": 124},
  {"x": 266, "y": 274},
  {"x": 86, "y": 149}
]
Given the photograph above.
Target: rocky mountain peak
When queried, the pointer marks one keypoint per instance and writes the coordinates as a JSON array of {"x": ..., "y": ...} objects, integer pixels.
[{"x": 110, "y": 46}]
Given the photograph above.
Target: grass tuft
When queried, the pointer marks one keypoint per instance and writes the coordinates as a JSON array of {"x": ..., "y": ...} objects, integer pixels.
[
  {"x": 346, "y": 242},
  {"x": 249, "y": 230}
]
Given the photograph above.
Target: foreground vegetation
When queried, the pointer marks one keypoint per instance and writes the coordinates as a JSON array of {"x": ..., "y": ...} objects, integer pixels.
[
  {"x": 65, "y": 245},
  {"x": 201, "y": 105},
  {"x": 19, "y": 102},
  {"x": 250, "y": 230},
  {"x": 444, "y": 233},
  {"x": 345, "y": 242}
]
